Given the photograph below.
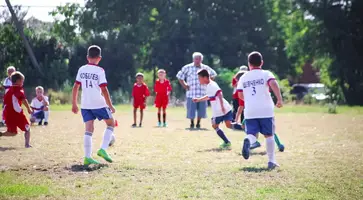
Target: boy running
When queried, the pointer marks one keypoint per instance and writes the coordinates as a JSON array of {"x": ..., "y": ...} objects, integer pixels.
[
  {"x": 95, "y": 103},
  {"x": 162, "y": 90},
  {"x": 259, "y": 108},
  {"x": 13, "y": 112},
  {"x": 140, "y": 92},
  {"x": 40, "y": 105},
  {"x": 222, "y": 111}
]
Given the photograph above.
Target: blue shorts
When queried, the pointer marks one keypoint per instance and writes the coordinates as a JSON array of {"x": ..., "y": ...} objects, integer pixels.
[
  {"x": 38, "y": 115},
  {"x": 92, "y": 114},
  {"x": 200, "y": 108},
  {"x": 265, "y": 126},
  {"x": 226, "y": 117}
]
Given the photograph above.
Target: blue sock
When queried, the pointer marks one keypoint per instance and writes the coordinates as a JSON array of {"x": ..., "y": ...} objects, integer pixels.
[
  {"x": 221, "y": 135},
  {"x": 237, "y": 126}
]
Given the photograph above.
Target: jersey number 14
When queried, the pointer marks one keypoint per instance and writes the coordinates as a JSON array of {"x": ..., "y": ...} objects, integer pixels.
[{"x": 89, "y": 84}]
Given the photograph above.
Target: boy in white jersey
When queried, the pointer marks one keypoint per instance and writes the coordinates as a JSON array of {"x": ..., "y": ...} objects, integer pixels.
[
  {"x": 95, "y": 103},
  {"x": 7, "y": 84},
  {"x": 40, "y": 106},
  {"x": 259, "y": 108},
  {"x": 222, "y": 110}
]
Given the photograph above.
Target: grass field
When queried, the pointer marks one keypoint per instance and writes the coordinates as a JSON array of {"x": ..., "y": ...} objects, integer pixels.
[{"x": 323, "y": 160}]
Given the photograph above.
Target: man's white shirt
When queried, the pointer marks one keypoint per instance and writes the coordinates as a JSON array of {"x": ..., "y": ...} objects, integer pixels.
[
  {"x": 7, "y": 84},
  {"x": 38, "y": 104},
  {"x": 257, "y": 97},
  {"x": 91, "y": 78},
  {"x": 213, "y": 90}
]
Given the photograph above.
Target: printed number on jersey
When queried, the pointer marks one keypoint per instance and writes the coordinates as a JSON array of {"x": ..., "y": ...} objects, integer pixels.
[{"x": 89, "y": 84}]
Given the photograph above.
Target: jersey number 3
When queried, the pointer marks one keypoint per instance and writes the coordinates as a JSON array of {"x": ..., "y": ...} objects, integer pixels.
[
  {"x": 253, "y": 91},
  {"x": 89, "y": 84}
]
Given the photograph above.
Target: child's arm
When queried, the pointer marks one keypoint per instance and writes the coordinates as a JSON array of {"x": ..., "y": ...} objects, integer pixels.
[
  {"x": 26, "y": 104},
  {"x": 169, "y": 87},
  {"x": 205, "y": 98},
  {"x": 239, "y": 113},
  {"x": 240, "y": 95},
  {"x": 45, "y": 102},
  {"x": 147, "y": 92},
  {"x": 276, "y": 90},
  {"x": 74, "y": 97},
  {"x": 107, "y": 97}
]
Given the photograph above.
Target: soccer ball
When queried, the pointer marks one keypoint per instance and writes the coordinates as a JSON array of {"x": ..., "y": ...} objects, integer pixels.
[{"x": 112, "y": 140}]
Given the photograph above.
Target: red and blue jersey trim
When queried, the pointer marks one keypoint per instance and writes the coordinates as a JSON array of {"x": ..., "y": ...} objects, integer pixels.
[{"x": 213, "y": 98}]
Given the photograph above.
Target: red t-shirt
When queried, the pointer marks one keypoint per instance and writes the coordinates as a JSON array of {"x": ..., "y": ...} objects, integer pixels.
[
  {"x": 162, "y": 89},
  {"x": 13, "y": 100},
  {"x": 235, "y": 93},
  {"x": 140, "y": 92}
]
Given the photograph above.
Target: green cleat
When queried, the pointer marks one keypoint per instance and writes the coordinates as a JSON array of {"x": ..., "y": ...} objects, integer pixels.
[
  {"x": 165, "y": 125},
  {"x": 90, "y": 161},
  {"x": 225, "y": 145},
  {"x": 103, "y": 154}
]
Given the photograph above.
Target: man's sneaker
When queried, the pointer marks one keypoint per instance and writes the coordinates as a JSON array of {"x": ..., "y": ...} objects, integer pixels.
[
  {"x": 165, "y": 125},
  {"x": 255, "y": 145},
  {"x": 246, "y": 148},
  {"x": 159, "y": 124},
  {"x": 103, "y": 154},
  {"x": 198, "y": 126},
  {"x": 40, "y": 123},
  {"x": 191, "y": 126},
  {"x": 90, "y": 161},
  {"x": 271, "y": 165},
  {"x": 133, "y": 125},
  {"x": 45, "y": 123},
  {"x": 281, "y": 148},
  {"x": 225, "y": 145}
]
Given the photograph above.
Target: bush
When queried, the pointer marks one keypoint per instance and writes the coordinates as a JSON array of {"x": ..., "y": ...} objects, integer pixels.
[{"x": 63, "y": 96}]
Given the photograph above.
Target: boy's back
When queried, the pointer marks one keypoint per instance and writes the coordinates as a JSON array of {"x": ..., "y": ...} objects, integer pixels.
[
  {"x": 255, "y": 87},
  {"x": 91, "y": 78}
]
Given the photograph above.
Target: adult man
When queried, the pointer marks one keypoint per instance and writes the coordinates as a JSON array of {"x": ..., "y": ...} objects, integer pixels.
[
  {"x": 6, "y": 85},
  {"x": 188, "y": 78}
]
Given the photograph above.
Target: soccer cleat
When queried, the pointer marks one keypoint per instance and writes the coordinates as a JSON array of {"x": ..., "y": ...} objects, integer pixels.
[
  {"x": 45, "y": 123},
  {"x": 103, "y": 154},
  {"x": 165, "y": 124},
  {"x": 281, "y": 148},
  {"x": 255, "y": 145},
  {"x": 271, "y": 165},
  {"x": 133, "y": 125},
  {"x": 90, "y": 161},
  {"x": 225, "y": 145},
  {"x": 191, "y": 126},
  {"x": 246, "y": 148},
  {"x": 159, "y": 124},
  {"x": 198, "y": 126}
]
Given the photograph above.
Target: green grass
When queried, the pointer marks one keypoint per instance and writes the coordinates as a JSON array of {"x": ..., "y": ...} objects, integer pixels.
[{"x": 355, "y": 110}]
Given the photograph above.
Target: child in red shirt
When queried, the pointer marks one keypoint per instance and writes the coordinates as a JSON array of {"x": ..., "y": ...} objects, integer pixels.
[
  {"x": 162, "y": 89},
  {"x": 140, "y": 92},
  {"x": 237, "y": 102},
  {"x": 241, "y": 103},
  {"x": 13, "y": 112}
]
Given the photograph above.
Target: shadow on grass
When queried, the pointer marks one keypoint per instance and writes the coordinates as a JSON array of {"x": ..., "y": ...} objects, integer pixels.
[
  {"x": 213, "y": 150},
  {"x": 196, "y": 129},
  {"x": 7, "y": 148},
  {"x": 255, "y": 169},
  {"x": 83, "y": 168},
  {"x": 255, "y": 153}
]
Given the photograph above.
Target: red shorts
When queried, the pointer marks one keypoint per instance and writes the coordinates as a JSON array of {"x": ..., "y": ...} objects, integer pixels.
[
  {"x": 161, "y": 101},
  {"x": 241, "y": 102},
  {"x": 140, "y": 104},
  {"x": 15, "y": 121}
]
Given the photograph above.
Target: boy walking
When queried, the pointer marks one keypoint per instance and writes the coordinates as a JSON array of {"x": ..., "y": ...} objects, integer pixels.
[
  {"x": 13, "y": 112},
  {"x": 221, "y": 110},
  {"x": 95, "y": 103},
  {"x": 259, "y": 108},
  {"x": 162, "y": 90},
  {"x": 140, "y": 92}
]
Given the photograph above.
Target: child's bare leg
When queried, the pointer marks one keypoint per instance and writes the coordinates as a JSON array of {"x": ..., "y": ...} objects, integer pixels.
[
  {"x": 135, "y": 115},
  {"x": 141, "y": 115},
  {"x": 27, "y": 139},
  {"x": 159, "y": 115}
]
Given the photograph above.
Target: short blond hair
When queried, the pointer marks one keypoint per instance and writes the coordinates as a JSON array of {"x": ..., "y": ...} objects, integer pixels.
[
  {"x": 10, "y": 68},
  {"x": 39, "y": 88},
  {"x": 161, "y": 70}
]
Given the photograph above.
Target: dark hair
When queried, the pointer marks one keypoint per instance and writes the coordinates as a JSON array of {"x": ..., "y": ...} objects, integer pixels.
[
  {"x": 203, "y": 73},
  {"x": 16, "y": 76},
  {"x": 239, "y": 75},
  {"x": 94, "y": 51},
  {"x": 255, "y": 59}
]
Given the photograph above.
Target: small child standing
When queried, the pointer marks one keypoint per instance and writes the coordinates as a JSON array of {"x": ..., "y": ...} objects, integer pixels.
[
  {"x": 222, "y": 111},
  {"x": 40, "y": 105},
  {"x": 140, "y": 92},
  {"x": 13, "y": 112},
  {"x": 95, "y": 104},
  {"x": 162, "y": 89}
]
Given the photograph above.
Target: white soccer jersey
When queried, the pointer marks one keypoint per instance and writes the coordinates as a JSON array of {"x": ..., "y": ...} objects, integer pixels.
[
  {"x": 37, "y": 105},
  {"x": 92, "y": 78},
  {"x": 213, "y": 90},
  {"x": 255, "y": 87},
  {"x": 7, "y": 84}
]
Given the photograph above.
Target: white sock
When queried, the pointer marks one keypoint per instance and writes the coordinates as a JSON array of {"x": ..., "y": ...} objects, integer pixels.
[
  {"x": 88, "y": 144},
  {"x": 46, "y": 116},
  {"x": 251, "y": 138},
  {"x": 107, "y": 137},
  {"x": 270, "y": 148}
]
